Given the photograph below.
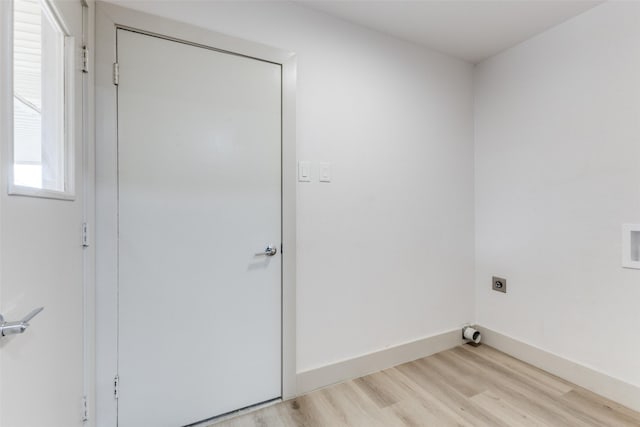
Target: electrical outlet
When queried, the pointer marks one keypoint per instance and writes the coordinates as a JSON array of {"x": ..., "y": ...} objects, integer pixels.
[{"x": 499, "y": 284}]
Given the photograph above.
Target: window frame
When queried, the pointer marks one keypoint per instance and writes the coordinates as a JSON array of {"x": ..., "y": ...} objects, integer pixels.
[{"x": 8, "y": 100}]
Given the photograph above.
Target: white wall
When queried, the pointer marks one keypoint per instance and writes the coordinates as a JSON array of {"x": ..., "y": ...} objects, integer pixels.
[
  {"x": 386, "y": 249},
  {"x": 557, "y": 170}
]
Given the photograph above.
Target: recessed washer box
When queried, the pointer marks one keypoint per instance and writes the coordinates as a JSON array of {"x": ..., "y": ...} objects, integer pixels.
[{"x": 631, "y": 246}]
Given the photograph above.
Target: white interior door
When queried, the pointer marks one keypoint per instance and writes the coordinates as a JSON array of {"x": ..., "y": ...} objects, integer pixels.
[
  {"x": 41, "y": 252},
  {"x": 199, "y": 171}
]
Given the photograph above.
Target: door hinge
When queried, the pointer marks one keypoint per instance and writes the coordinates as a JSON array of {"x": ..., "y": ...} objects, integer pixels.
[
  {"x": 116, "y": 387},
  {"x": 85, "y": 409},
  {"x": 116, "y": 73},
  {"x": 85, "y": 59},
  {"x": 85, "y": 235}
]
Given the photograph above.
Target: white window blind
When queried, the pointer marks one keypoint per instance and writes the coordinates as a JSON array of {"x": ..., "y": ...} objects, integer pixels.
[{"x": 39, "y": 97}]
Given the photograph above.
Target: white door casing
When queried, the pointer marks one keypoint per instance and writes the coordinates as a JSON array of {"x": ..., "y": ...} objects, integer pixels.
[
  {"x": 41, "y": 264},
  {"x": 108, "y": 19},
  {"x": 198, "y": 196}
]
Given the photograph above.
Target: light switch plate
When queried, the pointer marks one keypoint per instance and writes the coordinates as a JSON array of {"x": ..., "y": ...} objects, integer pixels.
[
  {"x": 304, "y": 171},
  {"x": 631, "y": 246},
  {"x": 324, "y": 174}
]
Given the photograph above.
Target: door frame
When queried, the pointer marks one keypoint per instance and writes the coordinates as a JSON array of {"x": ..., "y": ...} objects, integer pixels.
[{"x": 109, "y": 18}]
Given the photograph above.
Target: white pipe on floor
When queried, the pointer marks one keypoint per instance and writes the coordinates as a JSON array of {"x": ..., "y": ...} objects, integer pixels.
[{"x": 471, "y": 334}]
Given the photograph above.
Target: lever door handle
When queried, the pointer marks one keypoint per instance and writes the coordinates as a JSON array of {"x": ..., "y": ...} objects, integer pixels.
[
  {"x": 18, "y": 327},
  {"x": 270, "y": 250}
]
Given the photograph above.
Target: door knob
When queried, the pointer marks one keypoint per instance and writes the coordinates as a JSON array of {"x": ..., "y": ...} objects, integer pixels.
[
  {"x": 18, "y": 327},
  {"x": 268, "y": 251}
]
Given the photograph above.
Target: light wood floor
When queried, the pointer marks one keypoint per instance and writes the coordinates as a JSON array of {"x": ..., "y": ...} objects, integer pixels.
[{"x": 464, "y": 386}]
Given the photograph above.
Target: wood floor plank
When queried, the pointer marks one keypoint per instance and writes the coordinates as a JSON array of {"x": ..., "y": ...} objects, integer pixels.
[
  {"x": 413, "y": 413},
  {"x": 602, "y": 401},
  {"x": 462, "y": 387},
  {"x": 340, "y": 408},
  {"x": 378, "y": 388},
  {"x": 461, "y": 379},
  {"x": 305, "y": 411},
  {"x": 552, "y": 383},
  {"x": 271, "y": 416},
  {"x": 354, "y": 405},
  {"x": 499, "y": 366},
  {"x": 426, "y": 378},
  {"x": 434, "y": 406},
  {"x": 509, "y": 413},
  {"x": 600, "y": 409},
  {"x": 510, "y": 385}
]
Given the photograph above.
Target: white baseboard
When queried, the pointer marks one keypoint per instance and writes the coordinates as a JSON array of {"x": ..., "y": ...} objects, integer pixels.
[
  {"x": 597, "y": 382},
  {"x": 373, "y": 362}
]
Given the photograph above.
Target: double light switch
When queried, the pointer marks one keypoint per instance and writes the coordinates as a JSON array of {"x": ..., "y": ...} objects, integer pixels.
[{"x": 304, "y": 171}]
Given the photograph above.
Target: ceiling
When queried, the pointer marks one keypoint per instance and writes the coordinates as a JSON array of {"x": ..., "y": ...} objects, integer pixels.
[{"x": 472, "y": 30}]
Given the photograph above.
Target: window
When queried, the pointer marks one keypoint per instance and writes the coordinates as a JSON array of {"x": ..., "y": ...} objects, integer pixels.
[{"x": 41, "y": 101}]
